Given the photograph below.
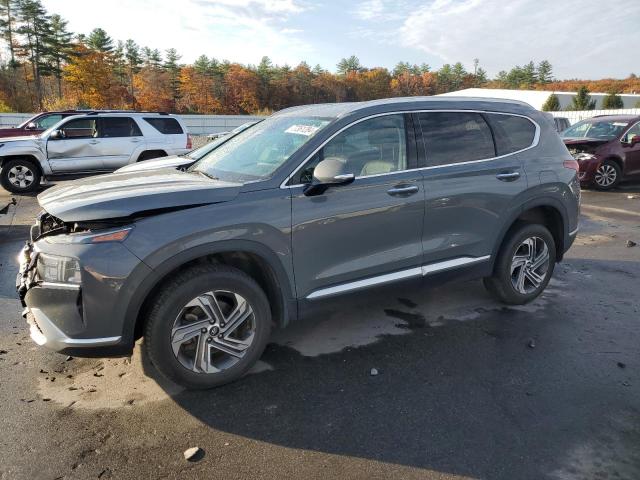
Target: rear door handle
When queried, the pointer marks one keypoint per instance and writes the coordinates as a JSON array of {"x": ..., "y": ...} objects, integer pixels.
[
  {"x": 508, "y": 177},
  {"x": 403, "y": 190},
  {"x": 135, "y": 140},
  {"x": 93, "y": 142}
]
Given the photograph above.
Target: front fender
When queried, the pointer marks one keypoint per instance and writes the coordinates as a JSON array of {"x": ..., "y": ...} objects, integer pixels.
[{"x": 32, "y": 151}]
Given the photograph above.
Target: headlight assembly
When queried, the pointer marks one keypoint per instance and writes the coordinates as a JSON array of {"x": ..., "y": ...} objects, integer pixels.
[
  {"x": 57, "y": 269},
  {"x": 584, "y": 156}
]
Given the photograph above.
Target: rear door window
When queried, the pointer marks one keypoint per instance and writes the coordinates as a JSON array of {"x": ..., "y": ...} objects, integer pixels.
[
  {"x": 167, "y": 126},
  {"x": 455, "y": 137},
  {"x": 112, "y": 127},
  {"x": 512, "y": 133}
]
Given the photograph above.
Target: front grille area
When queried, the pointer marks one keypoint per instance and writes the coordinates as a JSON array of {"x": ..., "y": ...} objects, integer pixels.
[{"x": 46, "y": 224}]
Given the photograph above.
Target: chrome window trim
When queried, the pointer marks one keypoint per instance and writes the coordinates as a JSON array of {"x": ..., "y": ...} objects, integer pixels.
[
  {"x": 536, "y": 140},
  {"x": 399, "y": 275}
]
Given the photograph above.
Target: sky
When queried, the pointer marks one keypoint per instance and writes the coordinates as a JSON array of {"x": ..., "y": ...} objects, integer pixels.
[{"x": 586, "y": 39}]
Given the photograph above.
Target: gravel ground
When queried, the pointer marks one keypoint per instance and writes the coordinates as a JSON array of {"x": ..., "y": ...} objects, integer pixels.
[{"x": 465, "y": 387}]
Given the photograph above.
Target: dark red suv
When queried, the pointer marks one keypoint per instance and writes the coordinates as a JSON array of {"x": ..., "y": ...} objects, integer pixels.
[
  {"x": 38, "y": 123},
  {"x": 607, "y": 149}
]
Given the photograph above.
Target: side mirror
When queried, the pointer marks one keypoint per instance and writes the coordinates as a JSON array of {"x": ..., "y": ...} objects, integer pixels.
[
  {"x": 56, "y": 135},
  {"x": 328, "y": 173},
  {"x": 30, "y": 126},
  {"x": 635, "y": 140}
]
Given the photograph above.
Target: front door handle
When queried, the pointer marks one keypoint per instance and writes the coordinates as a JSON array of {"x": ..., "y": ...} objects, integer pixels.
[
  {"x": 93, "y": 142},
  {"x": 135, "y": 140},
  {"x": 508, "y": 177},
  {"x": 403, "y": 190}
]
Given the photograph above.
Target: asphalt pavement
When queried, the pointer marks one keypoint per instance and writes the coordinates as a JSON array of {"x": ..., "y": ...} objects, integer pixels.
[{"x": 465, "y": 387}]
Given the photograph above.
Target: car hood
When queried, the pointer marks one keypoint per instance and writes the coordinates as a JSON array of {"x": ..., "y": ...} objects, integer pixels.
[
  {"x": 173, "y": 161},
  {"x": 16, "y": 141},
  {"x": 127, "y": 194}
]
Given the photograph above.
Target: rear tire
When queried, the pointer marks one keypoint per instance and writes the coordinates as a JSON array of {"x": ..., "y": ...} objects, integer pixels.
[
  {"x": 524, "y": 265},
  {"x": 607, "y": 175},
  {"x": 190, "y": 334},
  {"x": 20, "y": 176}
]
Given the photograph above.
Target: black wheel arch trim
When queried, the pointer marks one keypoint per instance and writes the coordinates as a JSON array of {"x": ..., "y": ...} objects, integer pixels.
[
  {"x": 545, "y": 201},
  {"x": 144, "y": 287}
]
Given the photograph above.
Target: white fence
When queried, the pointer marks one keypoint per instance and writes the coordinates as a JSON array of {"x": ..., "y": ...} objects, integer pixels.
[
  {"x": 196, "y": 124},
  {"x": 576, "y": 116}
]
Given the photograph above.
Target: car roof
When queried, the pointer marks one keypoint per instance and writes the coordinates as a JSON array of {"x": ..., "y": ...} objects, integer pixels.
[
  {"x": 622, "y": 118},
  {"x": 410, "y": 103}
]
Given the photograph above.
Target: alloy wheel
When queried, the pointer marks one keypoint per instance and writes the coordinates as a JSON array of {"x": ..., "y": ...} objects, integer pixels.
[
  {"x": 21, "y": 176},
  {"x": 606, "y": 175},
  {"x": 213, "y": 332},
  {"x": 529, "y": 265}
]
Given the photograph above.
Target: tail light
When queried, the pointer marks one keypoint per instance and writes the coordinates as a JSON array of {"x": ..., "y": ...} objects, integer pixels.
[
  {"x": 188, "y": 142},
  {"x": 571, "y": 164}
]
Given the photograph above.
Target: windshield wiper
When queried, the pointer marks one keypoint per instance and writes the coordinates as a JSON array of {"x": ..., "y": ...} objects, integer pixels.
[{"x": 208, "y": 175}]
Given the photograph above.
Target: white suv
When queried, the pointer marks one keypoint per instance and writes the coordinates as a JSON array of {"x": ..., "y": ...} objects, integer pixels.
[{"x": 87, "y": 144}]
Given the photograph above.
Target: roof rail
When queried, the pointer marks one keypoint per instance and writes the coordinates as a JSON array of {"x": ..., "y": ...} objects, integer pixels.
[{"x": 96, "y": 112}]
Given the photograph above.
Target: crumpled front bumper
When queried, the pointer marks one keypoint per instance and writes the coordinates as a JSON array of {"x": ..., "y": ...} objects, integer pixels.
[{"x": 63, "y": 299}]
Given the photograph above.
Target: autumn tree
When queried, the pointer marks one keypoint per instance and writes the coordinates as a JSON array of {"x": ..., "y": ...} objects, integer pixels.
[
  {"x": 8, "y": 34},
  {"x": 241, "y": 90},
  {"x": 91, "y": 82}
]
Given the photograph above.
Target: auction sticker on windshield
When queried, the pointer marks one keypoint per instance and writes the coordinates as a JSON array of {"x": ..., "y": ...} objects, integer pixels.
[{"x": 305, "y": 130}]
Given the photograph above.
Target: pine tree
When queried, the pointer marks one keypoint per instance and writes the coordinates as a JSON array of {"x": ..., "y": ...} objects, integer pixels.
[
  {"x": 60, "y": 49},
  {"x": 8, "y": 34},
  {"x": 544, "y": 72},
  {"x": 582, "y": 100},
  {"x": 133, "y": 61},
  {"x": 612, "y": 101},
  {"x": 35, "y": 28},
  {"x": 99, "y": 40},
  {"x": 552, "y": 104},
  {"x": 351, "y": 64},
  {"x": 172, "y": 67}
]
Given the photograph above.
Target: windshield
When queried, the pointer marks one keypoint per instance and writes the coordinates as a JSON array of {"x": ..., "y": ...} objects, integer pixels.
[
  {"x": 28, "y": 121},
  {"x": 593, "y": 128},
  {"x": 198, "y": 153},
  {"x": 257, "y": 152}
]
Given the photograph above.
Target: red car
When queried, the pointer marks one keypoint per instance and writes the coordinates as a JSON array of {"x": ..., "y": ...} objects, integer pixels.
[
  {"x": 607, "y": 149},
  {"x": 38, "y": 123}
]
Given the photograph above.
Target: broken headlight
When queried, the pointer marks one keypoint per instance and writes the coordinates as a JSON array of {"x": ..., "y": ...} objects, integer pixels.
[{"x": 56, "y": 269}]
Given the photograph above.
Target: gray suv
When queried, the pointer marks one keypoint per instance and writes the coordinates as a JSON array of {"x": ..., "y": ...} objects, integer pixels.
[{"x": 313, "y": 202}]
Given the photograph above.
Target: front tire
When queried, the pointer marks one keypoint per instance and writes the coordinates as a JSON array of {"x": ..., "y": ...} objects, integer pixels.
[
  {"x": 20, "y": 176},
  {"x": 208, "y": 326},
  {"x": 524, "y": 265},
  {"x": 607, "y": 175}
]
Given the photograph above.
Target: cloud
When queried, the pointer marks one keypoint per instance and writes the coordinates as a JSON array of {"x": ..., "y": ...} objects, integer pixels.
[
  {"x": 581, "y": 39},
  {"x": 238, "y": 30}
]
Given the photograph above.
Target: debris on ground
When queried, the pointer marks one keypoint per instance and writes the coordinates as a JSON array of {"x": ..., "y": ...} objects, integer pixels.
[
  {"x": 622, "y": 365},
  {"x": 626, "y": 384},
  {"x": 532, "y": 343},
  {"x": 374, "y": 372},
  {"x": 631, "y": 243},
  {"x": 633, "y": 197},
  {"x": 69, "y": 358},
  {"x": 193, "y": 454}
]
